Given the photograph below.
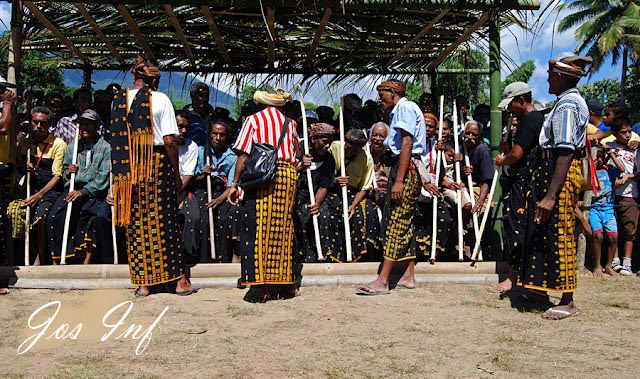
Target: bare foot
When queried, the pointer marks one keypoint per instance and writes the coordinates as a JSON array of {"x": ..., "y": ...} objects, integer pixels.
[
  {"x": 185, "y": 287},
  {"x": 597, "y": 271},
  {"x": 376, "y": 286},
  {"x": 502, "y": 287},
  {"x": 142, "y": 291},
  {"x": 609, "y": 271},
  {"x": 4, "y": 291},
  {"x": 561, "y": 311}
]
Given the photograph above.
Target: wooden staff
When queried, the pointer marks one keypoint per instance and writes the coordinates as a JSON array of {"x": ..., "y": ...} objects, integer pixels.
[
  {"x": 72, "y": 182},
  {"x": 212, "y": 244},
  {"x": 458, "y": 180},
  {"x": 27, "y": 219},
  {"x": 434, "y": 220},
  {"x": 312, "y": 195},
  {"x": 345, "y": 198},
  {"x": 113, "y": 226},
  {"x": 471, "y": 195},
  {"x": 476, "y": 248}
]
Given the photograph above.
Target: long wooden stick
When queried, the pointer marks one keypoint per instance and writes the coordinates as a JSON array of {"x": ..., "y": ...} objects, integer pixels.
[
  {"x": 27, "y": 219},
  {"x": 345, "y": 198},
  {"x": 476, "y": 225},
  {"x": 458, "y": 180},
  {"x": 212, "y": 241},
  {"x": 113, "y": 226},
  {"x": 434, "y": 220},
  {"x": 476, "y": 248},
  {"x": 72, "y": 182},
  {"x": 312, "y": 195}
]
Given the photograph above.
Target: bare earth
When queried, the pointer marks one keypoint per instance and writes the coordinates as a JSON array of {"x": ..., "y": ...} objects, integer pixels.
[{"x": 440, "y": 331}]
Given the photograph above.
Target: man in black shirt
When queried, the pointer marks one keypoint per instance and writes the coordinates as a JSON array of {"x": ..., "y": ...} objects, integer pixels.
[{"x": 518, "y": 101}]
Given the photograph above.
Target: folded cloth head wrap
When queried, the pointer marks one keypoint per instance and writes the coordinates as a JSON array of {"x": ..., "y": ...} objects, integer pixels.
[
  {"x": 322, "y": 129},
  {"x": 356, "y": 137},
  {"x": 276, "y": 97},
  {"x": 431, "y": 116},
  {"x": 393, "y": 86},
  {"x": 570, "y": 64},
  {"x": 141, "y": 66}
]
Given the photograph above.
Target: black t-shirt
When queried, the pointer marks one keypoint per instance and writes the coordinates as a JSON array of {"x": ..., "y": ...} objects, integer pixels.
[
  {"x": 322, "y": 175},
  {"x": 527, "y": 135}
]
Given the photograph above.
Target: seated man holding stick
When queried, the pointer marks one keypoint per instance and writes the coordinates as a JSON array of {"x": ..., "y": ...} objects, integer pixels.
[{"x": 90, "y": 189}]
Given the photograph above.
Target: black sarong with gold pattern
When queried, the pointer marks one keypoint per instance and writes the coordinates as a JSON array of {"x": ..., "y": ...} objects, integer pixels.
[
  {"x": 266, "y": 230},
  {"x": 397, "y": 218},
  {"x": 550, "y": 260}
]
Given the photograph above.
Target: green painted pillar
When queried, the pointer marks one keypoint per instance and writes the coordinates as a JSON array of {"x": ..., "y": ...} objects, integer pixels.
[{"x": 495, "y": 95}]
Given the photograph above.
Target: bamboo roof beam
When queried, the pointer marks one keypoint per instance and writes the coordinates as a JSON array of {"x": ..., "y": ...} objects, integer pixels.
[
  {"x": 99, "y": 32},
  {"x": 176, "y": 25},
  {"x": 418, "y": 36},
  {"x": 206, "y": 12},
  {"x": 56, "y": 32},
  {"x": 436, "y": 62},
  {"x": 316, "y": 38},
  {"x": 271, "y": 41},
  {"x": 133, "y": 26}
]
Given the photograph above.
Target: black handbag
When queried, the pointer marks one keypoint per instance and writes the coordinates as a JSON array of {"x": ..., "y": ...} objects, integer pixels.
[{"x": 260, "y": 167}]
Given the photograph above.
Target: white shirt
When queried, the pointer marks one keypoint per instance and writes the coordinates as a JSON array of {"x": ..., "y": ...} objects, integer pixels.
[
  {"x": 187, "y": 157},
  {"x": 164, "y": 117}
]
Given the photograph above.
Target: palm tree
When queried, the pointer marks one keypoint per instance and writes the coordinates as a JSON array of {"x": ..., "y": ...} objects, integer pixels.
[{"x": 607, "y": 28}]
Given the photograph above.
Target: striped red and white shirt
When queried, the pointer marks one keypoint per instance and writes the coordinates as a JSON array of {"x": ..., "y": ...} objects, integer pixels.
[{"x": 265, "y": 127}]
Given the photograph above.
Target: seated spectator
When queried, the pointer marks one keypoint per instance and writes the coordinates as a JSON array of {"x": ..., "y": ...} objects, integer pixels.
[{"x": 90, "y": 189}]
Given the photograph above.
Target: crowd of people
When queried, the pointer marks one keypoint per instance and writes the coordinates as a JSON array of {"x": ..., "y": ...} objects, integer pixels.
[{"x": 168, "y": 187}]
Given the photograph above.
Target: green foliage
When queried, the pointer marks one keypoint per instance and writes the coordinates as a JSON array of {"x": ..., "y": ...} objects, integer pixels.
[
  {"x": 632, "y": 96},
  {"x": 473, "y": 86},
  {"x": 414, "y": 90},
  {"x": 310, "y": 106},
  {"x": 606, "y": 91},
  {"x": 520, "y": 74},
  {"x": 37, "y": 69}
]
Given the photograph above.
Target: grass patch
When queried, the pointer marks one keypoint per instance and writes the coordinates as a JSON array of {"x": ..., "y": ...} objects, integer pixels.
[{"x": 236, "y": 311}]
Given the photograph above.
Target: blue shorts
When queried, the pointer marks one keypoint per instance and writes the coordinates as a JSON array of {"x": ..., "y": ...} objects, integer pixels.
[{"x": 603, "y": 219}]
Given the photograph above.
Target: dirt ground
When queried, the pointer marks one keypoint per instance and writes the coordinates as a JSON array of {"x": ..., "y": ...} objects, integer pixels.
[{"x": 435, "y": 331}]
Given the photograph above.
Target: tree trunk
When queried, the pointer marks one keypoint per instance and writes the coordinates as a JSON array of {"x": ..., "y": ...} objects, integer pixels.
[{"x": 623, "y": 79}]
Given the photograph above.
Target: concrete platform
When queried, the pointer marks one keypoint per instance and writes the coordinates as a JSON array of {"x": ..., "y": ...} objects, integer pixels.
[{"x": 226, "y": 275}]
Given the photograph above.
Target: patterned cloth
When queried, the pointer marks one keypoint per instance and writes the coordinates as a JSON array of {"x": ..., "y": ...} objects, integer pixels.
[
  {"x": 566, "y": 125},
  {"x": 66, "y": 129},
  {"x": 153, "y": 236},
  {"x": 550, "y": 262},
  {"x": 266, "y": 237},
  {"x": 397, "y": 218}
]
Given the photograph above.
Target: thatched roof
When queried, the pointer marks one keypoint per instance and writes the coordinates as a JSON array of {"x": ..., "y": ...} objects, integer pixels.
[{"x": 253, "y": 36}]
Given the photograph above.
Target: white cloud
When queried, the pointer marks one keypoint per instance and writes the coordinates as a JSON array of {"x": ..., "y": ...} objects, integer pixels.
[{"x": 5, "y": 16}]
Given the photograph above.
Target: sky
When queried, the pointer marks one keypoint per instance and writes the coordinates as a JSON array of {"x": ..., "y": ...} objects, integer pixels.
[{"x": 517, "y": 43}]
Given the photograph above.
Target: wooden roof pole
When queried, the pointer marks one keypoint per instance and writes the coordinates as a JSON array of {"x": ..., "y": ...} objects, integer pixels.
[
  {"x": 418, "y": 36},
  {"x": 316, "y": 38},
  {"x": 271, "y": 41},
  {"x": 99, "y": 32},
  {"x": 436, "y": 62},
  {"x": 56, "y": 32},
  {"x": 133, "y": 26},
  {"x": 180, "y": 33},
  {"x": 216, "y": 34}
]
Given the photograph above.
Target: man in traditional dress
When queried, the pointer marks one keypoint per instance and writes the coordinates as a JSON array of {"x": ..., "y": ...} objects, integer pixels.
[
  {"x": 406, "y": 139},
  {"x": 519, "y": 102},
  {"x": 90, "y": 189},
  {"x": 46, "y": 156},
  {"x": 7, "y": 102},
  {"x": 266, "y": 224},
  {"x": 144, "y": 153},
  {"x": 550, "y": 260},
  {"x": 358, "y": 179}
]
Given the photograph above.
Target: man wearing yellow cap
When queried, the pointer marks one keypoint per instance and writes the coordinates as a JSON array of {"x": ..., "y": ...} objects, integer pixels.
[{"x": 550, "y": 259}]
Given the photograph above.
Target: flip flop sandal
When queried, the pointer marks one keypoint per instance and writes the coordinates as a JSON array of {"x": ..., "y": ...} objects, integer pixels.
[{"x": 366, "y": 291}]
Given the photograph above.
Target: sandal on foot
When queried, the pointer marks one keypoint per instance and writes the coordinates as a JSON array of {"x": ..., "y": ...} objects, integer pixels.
[
  {"x": 193, "y": 289},
  {"x": 368, "y": 291},
  {"x": 139, "y": 294},
  {"x": 558, "y": 314}
]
